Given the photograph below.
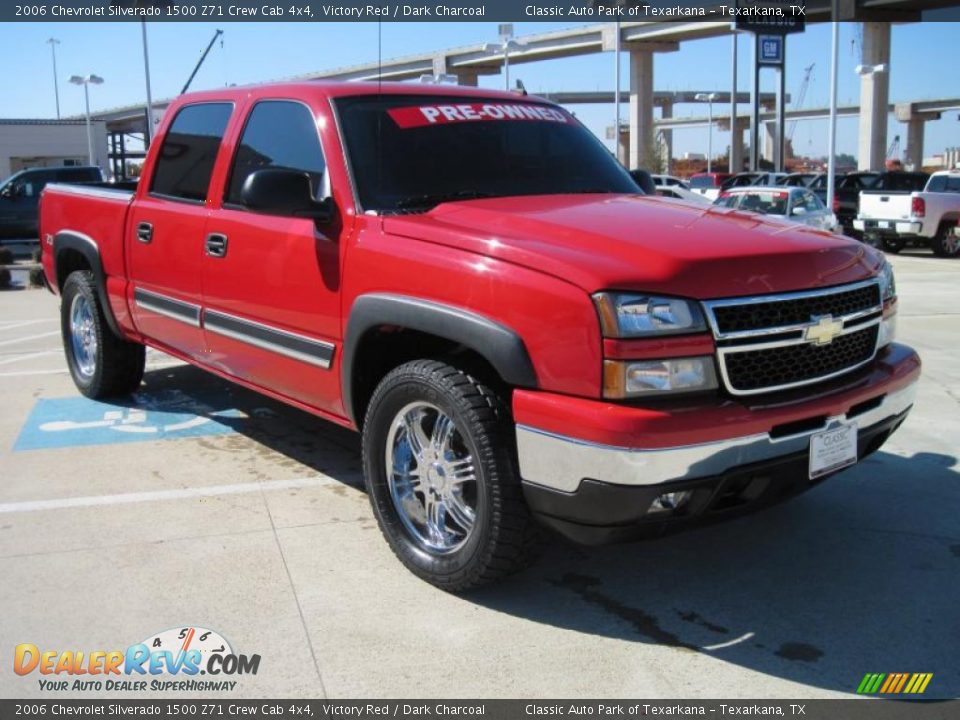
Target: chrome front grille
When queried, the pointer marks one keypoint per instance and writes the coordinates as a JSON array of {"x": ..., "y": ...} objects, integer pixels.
[{"x": 775, "y": 342}]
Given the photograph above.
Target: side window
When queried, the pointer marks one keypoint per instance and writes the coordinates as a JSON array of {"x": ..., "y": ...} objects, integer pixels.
[
  {"x": 811, "y": 203},
  {"x": 278, "y": 134},
  {"x": 937, "y": 183},
  {"x": 189, "y": 150},
  {"x": 32, "y": 184}
]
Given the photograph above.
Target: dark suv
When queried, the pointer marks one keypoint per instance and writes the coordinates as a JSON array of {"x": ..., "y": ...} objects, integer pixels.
[{"x": 20, "y": 193}]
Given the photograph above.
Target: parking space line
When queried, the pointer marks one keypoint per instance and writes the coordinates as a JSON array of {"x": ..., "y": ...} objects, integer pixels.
[
  {"x": 13, "y": 325},
  {"x": 735, "y": 641},
  {"x": 28, "y": 338},
  {"x": 320, "y": 480},
  {"x": 30, "y": 356}
]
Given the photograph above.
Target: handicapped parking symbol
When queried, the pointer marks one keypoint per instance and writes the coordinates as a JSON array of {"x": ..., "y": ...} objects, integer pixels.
[{"x": 73, "y": 421}]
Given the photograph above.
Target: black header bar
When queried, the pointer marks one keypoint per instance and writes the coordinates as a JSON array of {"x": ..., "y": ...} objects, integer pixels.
[{"x": 784, "y": 15}]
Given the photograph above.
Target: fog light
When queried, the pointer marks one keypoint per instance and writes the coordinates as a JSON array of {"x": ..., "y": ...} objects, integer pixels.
[{"x": 670, "y": 501}]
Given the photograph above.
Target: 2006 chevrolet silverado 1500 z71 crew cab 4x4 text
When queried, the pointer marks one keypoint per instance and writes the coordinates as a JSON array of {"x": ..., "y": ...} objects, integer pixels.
[{"x": 473, "y": 282}]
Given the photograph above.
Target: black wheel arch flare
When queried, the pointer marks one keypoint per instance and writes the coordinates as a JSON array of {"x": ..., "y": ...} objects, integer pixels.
[{"x": 501, "y": 346}]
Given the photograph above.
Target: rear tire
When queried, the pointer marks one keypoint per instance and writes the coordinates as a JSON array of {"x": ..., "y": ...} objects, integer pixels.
[
  {"x": 947, "y": 242},
  {"x": 439, "y": 465},
  {"x": 102, "y": 365}
]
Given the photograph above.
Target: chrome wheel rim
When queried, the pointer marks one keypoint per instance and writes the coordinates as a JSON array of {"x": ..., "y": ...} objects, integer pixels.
[
  {"x": 432, "y": 479},
  {"x": 83, "y": 336}
]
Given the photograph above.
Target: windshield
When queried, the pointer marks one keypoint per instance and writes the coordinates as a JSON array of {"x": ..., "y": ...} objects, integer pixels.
[{"x": 409, "y": 153}]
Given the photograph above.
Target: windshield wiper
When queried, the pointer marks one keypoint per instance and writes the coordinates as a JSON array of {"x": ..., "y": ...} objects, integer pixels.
[{"x": 430, "y": 200}]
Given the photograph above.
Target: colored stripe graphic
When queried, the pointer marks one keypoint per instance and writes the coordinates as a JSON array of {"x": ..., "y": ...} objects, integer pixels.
[
  {"x": 903, "y": 681},
  {"x": 894, "y": 683}
]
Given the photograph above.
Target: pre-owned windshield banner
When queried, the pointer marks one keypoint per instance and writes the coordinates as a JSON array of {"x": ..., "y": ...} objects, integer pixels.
[
  {"x": 779, "y": 15},
  {"x": 445, "y": 114}
]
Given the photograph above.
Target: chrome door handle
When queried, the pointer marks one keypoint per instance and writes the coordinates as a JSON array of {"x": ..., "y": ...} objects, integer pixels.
[
  {"x": 144, "y": 232},
  {"x": 216, "y": 245}
]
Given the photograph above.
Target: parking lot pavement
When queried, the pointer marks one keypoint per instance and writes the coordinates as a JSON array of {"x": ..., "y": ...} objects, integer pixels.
[{"x": 201, "y": 504}]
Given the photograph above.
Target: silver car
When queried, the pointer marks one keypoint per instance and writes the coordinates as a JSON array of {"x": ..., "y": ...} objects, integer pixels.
[{"x": 795, "y": 204}]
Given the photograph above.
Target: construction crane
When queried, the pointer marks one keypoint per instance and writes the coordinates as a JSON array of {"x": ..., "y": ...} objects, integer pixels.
[
  {"x": 203, "y": 57},
  {"x": 894, "y": 148},
  {"x": 893, "y": 161},
  {"x": 807, "y": 74}
]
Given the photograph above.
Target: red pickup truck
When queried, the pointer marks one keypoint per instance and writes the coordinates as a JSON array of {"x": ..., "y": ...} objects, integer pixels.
[{"x": 471, "y": 280}]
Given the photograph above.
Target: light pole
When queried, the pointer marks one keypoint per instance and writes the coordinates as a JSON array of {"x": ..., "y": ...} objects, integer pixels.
[
  {"x": 148, "y": 135},
  {"x": 506, "y": 44},
  {"x": 708, "y": 98},
  {"x": 616, "y": 90},
  {"x": 86, "y": 80},
  {"x": 832, "y": 139},
  {"x": 53, "y": 42}
]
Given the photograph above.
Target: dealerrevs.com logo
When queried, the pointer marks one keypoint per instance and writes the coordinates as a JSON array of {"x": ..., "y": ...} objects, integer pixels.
[{"x": 171, "y": 660}]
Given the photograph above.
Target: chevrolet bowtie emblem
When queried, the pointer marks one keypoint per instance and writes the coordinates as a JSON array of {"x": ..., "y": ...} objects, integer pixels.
[{"x": 823, "y": 330}]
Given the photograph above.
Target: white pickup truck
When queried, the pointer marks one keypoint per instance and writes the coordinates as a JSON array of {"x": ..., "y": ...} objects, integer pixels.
[{"x": 894, "y": 220}]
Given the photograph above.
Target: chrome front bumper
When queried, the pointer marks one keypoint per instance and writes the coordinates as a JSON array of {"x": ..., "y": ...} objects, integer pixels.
[{"x": 561, "y": 463}]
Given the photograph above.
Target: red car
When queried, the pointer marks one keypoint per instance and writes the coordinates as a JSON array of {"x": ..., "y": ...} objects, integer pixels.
[{"x": 469, "y": 279}]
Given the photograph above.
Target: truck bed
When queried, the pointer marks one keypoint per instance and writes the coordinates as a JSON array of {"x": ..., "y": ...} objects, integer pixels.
[{"x": 91, "y": 210}]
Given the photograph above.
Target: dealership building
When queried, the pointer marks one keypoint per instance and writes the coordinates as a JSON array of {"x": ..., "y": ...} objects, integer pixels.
[{"x": 49, "y": 143}]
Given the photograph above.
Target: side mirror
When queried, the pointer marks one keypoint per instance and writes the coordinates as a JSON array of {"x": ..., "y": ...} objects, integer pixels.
[
  {"x": 799, "y": 210},
  {"x": 276, "y": 191},
  {"x": 7, "y": 192},
  {"x": 644, "y": 180}
]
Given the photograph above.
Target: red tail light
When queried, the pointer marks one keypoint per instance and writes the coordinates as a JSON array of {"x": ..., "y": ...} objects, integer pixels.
[
  {"x": 918, "y": 207},
  {"x": 836, "y": 204}
]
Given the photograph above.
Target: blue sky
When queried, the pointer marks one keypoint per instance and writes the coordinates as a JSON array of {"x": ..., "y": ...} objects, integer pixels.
[{"x": 256, "y": 52}]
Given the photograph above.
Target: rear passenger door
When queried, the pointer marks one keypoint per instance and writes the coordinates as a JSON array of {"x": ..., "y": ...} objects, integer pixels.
[
  {"x": 271, "y": 283},
  {"x": 165, "y": 247}
]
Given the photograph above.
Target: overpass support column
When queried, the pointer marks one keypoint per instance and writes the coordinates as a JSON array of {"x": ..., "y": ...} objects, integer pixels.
[
  {"x": 736, "y": 146},
  {"x": 641, "y": 107},
  {"x": 666, "y": 111},
  {"x": 906, "y": 113},
  {"x": 640, "y": 117},
  {"x": 874, "y": 97},
  {"x": 769, "y": 142},
  {"x": 623, "y": 146}
]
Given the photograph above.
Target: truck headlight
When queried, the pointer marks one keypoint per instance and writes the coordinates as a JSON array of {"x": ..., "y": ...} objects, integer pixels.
[
  {"x": 627, "y": 315},
  {"x": 888, "y": 285},
  {"x": 644, "y": 378},
  {"x": 888, "y": 293}
]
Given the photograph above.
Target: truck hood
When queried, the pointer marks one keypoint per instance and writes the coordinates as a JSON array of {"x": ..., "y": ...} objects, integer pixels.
[{"x": 635, "y": 242}]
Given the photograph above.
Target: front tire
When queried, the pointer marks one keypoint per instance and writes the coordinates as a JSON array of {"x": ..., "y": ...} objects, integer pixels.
[
  {"x": 102, "y": 365},
  {"x": 439, "y": 466},
  {"x": 947, "y": 242}
]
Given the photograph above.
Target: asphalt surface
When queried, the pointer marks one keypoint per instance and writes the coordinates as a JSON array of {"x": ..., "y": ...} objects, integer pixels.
[{"x": 205, "y": 505}]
